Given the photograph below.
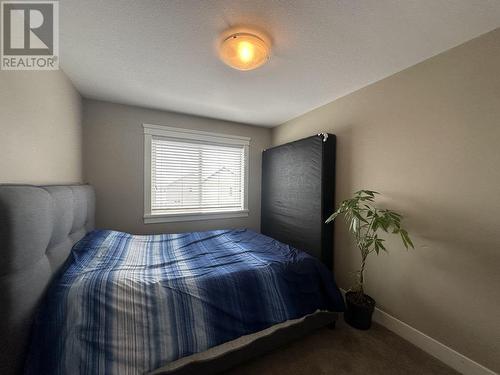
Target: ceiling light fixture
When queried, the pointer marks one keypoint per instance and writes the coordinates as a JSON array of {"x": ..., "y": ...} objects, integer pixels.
[{"x": 244, "y": 51}]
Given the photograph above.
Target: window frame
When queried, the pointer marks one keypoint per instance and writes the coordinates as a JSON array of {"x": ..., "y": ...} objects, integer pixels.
[{"x": 167, "y": 132}]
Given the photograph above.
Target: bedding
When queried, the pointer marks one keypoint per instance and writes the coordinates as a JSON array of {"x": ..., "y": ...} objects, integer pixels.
[{"x": 128, "y": 304}]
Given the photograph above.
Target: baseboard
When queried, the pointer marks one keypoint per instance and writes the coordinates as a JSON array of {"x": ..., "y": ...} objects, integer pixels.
[{"x": 445, "y": 354}]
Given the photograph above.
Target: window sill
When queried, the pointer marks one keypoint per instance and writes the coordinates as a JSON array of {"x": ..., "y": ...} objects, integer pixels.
[{"x": 171, "y": 218}]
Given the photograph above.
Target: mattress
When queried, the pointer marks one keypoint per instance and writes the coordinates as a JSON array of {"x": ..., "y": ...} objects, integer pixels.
[{"x": 127, "y": 304}]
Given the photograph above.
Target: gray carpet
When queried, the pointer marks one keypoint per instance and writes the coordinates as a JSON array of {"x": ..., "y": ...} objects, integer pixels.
[{"x": 346, "y": 351}]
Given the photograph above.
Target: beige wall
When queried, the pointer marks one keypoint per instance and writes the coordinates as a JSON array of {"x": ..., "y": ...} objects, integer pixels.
[
  {"x": 428, "y": 138},
  {"x": 40, "y": 128},
  {"x": 114, "y": 157}
]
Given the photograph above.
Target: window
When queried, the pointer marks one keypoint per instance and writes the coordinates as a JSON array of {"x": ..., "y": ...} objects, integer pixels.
[{"x": 194, "y": 175}]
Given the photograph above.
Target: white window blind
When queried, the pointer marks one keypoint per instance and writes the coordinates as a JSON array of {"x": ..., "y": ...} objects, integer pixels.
[{"x": 192, "y": 176}]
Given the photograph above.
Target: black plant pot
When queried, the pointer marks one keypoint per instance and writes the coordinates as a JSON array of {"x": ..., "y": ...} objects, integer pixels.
[{"x": 359, "y": 310}]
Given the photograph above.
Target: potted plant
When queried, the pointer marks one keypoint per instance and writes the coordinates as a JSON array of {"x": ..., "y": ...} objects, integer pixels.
[{"x": 366, "y": 222}]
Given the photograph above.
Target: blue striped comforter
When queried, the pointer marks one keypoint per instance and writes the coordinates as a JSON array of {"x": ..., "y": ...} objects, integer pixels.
[{"x": 127, "y": 304}]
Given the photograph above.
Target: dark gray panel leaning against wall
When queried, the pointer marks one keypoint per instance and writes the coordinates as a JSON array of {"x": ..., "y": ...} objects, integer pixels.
[{"x": 298, "y": 183}]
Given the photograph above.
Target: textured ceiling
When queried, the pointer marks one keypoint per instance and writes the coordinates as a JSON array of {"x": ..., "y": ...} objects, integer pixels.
[{"x": 162, "y": 54}]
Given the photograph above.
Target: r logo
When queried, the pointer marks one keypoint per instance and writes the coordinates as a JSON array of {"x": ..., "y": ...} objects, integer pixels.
[{"x": 29, "y": 29}]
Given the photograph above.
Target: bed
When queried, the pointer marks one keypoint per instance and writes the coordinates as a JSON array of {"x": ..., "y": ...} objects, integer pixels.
[
  {"x": 206, "y": 300},
  {"x": 130, "y": 304}
]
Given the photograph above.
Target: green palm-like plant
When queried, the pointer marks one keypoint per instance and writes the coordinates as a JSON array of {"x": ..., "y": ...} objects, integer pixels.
[{"x": 365, "y": 223}]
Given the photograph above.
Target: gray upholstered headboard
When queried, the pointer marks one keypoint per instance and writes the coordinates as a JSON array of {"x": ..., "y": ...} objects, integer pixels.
[{"x": 38, "y": 227}]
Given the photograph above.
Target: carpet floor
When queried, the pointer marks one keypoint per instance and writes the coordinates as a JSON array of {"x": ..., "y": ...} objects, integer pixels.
[{"x": 346, "y": 350}]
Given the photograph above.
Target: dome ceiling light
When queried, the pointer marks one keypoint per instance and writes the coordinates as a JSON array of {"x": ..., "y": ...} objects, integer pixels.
[{"x": 244, "y": 51}]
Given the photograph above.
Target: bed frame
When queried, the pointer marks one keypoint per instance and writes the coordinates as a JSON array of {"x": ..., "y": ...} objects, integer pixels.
[
  {"x": 38, "y": 228},
  {"x": 40, "y": 224}
]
